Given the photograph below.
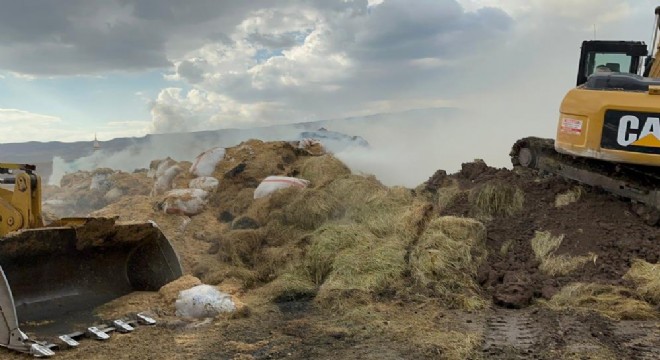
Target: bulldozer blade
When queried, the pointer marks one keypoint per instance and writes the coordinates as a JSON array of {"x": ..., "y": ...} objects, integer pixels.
[{"x": 54, "y": 277}]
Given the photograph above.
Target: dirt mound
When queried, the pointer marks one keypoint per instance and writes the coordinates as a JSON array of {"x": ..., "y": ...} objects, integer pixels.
[{"x": 586, "y": 236}]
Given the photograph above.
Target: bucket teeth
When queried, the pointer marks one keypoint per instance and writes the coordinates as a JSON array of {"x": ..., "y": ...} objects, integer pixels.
[
  {"x": 38, "y": 350},
  {"x": 145, "y": 320},
  {"x": 122, "y": 327},
  {"x": 96, "y": 334},
  {"x": 68, "y": 340}
]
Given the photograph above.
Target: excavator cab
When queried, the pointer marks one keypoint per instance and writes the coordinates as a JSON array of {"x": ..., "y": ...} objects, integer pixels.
[{"x": 610, "y": 56}]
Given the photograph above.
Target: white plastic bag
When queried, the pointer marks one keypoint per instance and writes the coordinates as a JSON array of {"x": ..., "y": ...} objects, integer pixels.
[
  {"x": 274, "y": 183},
  {"x": 205, "y": 163},
  {"x": 187, "y": 202},
  {"x": 164, "y": 180},
  {"x": 205, "y": 183},
  {"x": 203, "y": 301}
]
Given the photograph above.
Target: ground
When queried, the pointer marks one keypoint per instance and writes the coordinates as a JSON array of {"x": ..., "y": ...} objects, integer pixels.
[{"x": 491, "y": 264}]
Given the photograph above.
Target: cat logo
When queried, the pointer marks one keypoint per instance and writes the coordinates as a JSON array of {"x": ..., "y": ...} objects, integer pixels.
[{"x": 635, "y": 132}]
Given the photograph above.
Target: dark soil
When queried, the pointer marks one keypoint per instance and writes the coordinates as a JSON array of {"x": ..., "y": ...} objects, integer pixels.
[{"x": 597, "y": 223}]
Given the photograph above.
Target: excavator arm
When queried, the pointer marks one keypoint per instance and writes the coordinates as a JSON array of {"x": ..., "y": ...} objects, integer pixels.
[
  {"x": 654, "y": 62},
  {"x": 20, "y": 208}
]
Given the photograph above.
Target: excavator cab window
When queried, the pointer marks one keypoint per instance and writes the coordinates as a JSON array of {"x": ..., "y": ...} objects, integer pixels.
[{"x": 610, "y": 56}]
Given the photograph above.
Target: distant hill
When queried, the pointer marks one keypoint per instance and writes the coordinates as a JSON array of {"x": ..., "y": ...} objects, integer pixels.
[{"x": 187, "y": 145}]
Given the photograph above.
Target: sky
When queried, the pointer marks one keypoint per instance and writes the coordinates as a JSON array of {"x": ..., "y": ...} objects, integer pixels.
[{"x": 70, "y": 69}]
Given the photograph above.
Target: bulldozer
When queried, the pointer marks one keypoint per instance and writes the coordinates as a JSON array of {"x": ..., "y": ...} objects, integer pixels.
[
  {"x": 53, "y": 276},
  {"x": 608, "y": 134}
]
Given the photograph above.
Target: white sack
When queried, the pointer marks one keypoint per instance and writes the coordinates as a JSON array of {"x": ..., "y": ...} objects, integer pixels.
[
  {"x": 274, "y": 183},
  {"x": 187, "y": 202},
  {"x": 206, "y": 183},
  {"x": 164, "y": 181},
  {"x": 203, "y": 301},
  {"x": 205, "y": 163}
]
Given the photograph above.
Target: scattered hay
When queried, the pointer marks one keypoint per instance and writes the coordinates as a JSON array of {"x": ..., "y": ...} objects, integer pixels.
[
  {"x": 612, "y": 301},
  {"x": 496, "y": 198},
  {"x": 321, "y": 170},
  {"x": 446, "y": 195},
  {"x": 569, "y": 197},
  {"x": 646, "y": 277},
  {"x": 545, "y": 245},
  {"x": 446, "y": 260},
  {"x": 504, "y": 249},
  {"x": 311, "y": 208}
]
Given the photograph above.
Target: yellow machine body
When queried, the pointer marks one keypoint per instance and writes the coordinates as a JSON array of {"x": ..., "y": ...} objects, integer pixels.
[{"x": 582, "y": 125}]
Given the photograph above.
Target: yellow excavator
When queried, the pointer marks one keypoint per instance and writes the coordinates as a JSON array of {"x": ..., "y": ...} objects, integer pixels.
[
  {"x": 53, "y": 277},
  {"x": 608, "y": 135}
]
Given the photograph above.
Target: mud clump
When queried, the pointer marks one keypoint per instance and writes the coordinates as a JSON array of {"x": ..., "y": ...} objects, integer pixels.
[{"x": 600, "y": 235}]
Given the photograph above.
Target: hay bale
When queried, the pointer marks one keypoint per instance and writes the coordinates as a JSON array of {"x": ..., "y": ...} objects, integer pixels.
[
  {"x": 612, "y": 301},
  {"x": 353, "y": 190},
  {"x": 646, "y": 277},
  {"x": 326, "y": 243},
  {"x": 545, "y": 245},
  {"x": 446, "y": 260},
  {"x": 383, "y": 212},
  {"x": 290, "y": 286},
  {"x": 321, "y": 170},
  {"x": 496, "y": 198},
  {"x": 241, "y": 247},
  {"x": 365, "y": 269},
  {"x": 311, "y": 208}
]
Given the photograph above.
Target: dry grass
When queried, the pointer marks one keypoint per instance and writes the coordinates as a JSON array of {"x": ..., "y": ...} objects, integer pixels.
[
  {"x": 612, "y": 301},
  {"x": 569, "y": 197},
  {"x": 646, "y": 277},
  {"x": 311, "y": 208},
  {"x": 544, "y": 245},
  {"x": 496, "y": 198},
  {"x": 321, "y": 170},
  {"x": 446, "y": 260}
]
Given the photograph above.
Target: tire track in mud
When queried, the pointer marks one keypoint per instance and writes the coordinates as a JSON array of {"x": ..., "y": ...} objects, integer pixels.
[
  {"x": 545, "y": 334},
  {"x": 511, "y": 333},
  {"x": 640, "y": 339}
]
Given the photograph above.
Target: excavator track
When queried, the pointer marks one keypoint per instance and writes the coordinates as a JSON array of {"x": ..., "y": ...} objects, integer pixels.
[{"x": 636, "y": 183}]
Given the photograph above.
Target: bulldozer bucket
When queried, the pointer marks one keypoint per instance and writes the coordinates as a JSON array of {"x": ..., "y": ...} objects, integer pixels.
[{"x": 52, "y": 275}]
